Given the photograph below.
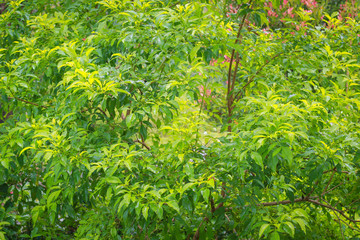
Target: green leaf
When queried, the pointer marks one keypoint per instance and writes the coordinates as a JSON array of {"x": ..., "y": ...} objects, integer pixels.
[
  {"x": 263, "y": 228},
  {"x": 35, "y": 213},
  {"x": 257, "y": 158},
  {"x": 145, "y": 211},
  {"x": 289, "y": 226},
  {"x": 130, "y": 120},
  {"x": 25, "y": 149},
  {"x": 159, "y": 211},
  {"x": 357, "y": 157},
  {"x": 174, "y": 205},
  {"x": 53, "y": 196},
  {"x": 287, "y": 155},
  {"x": 274, "y": 236},
  {"x": 193, "y": 53},
  {"x": 113, "y": 179},
  {"x": 189, "y": 169},
  {"x": 301, "y": 223},
  {"x": 301, "y": 212},
  {"x": 205, "y": 193},
  {"x": 143, "y": 131}
]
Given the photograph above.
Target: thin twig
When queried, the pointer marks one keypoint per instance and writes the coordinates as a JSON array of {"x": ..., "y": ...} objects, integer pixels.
[
  {"x": 344, "y": 221},
  {"x": 331, "y": 207},
  {"x": 327, "y": 185},
  {"x": 332, "y": 188},
  {"x": 240, "y": 93},
  {"x": 354, "y": 201},
  {"x": 103, "y": 112},
  {"x": 334, "y": 169},
  {"x": 309, "y": 199},
  {"x": 230, "y": 88},
  {"x": 143, "y": 143},
  {"x": 197, "y": 233},
  {"x": 28, "y": 102}
]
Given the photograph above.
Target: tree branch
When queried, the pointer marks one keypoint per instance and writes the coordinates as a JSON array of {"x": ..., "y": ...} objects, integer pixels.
[
  {"x": 103, "y": 112},
  {"x": 143, "y": 143},
  {"x": 332, "y": 189},
  {"x": 28, "y": 102},
  {"x": 197, "y": 233},
  {"x": 307, "y": 199},
  {"x": 240, "y": 93},
  {"x": 327, "y": 185},
  {"x": 332, "y": 208},
  {"x": 230, "y": 85}
]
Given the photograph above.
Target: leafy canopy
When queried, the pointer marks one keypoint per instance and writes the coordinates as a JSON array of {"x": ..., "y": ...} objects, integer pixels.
[{"x": 178, "y": 119}]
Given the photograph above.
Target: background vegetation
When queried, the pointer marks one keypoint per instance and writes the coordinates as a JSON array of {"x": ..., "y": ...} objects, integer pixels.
[{"x": 150, "y": 119}]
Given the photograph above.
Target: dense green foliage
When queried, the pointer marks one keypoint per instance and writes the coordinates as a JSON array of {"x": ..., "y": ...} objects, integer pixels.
[{"x": 152, "y": 119}]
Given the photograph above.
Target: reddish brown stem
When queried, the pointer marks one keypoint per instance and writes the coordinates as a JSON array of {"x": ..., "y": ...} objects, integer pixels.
[
  {"x": 231, "y": 82},
  {"x": 197, "y": 233},
  {"x": 31, "y": 103},
  {"x": 241, "y": 92},
  {"x": 143, "y": 143},
  {"x": 327, "y": 185}
]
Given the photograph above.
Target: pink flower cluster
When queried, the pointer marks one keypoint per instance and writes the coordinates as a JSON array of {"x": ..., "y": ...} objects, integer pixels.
[
  {"x": 213, "y": 61},
  {"x": 202, "y": 91},
  {"x": 231, "y": 11},
  {"x": 311, "y": 4},
  {"x": 284, "y": 9},
  {"x": 348, "y": 10},
  {"x": 289, "y": 12}
]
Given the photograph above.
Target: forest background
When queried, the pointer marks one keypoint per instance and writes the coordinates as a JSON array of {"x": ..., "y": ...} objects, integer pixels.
[{"x": 151, "y": 119}]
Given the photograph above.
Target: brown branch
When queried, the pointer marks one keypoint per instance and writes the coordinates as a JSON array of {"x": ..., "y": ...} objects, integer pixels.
[
  {"x": 229, "y": 95},
  {"x": 197, "y": 233},
  {"x": 332, "y": 189},
  {"x": 309, "y": 199},
  {"x": 356, "y": 200},
  {"x": 237, "y": 96},
  {"x": 343, "y": 220},
  {"x": 102, "y": 111},
  {"x": 331, "y": 207},
  {"x": 212, "y": 204},
  {"x": 327, "y": 185},
  {"x": 144, "y": 144},
  {"x": 31, "y": 103},
  {"x": 342, "y": 231},
  {"x": 334, "y": 170},
  {"x": 349, "y": 225},
  {"x": 281, "y": 202}
]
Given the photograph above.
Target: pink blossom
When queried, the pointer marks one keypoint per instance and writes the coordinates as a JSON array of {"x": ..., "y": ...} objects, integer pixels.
[
  {"x": 309, "y": 3},
  {"x": 212, "y": 62},
  {"x": 207, "y": 92},
  {"x": 285, "y": 2},
  {"x": 290, "y": 10},
  {"x": 340, "y": 17},
  {"x": 11, "y": 192},
  {"x": 227, "y": 59},
  {"x": 297, "y": 27},
  {"x": 272, "y": 13}
]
